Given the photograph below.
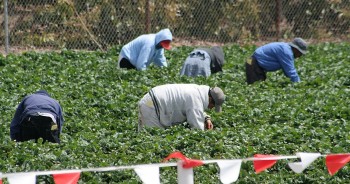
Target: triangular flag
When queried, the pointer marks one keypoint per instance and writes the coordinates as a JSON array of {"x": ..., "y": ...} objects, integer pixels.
[
  {"x": 27, "y": 178},
  {"x": 184, "y": 175},
  {"x": 67, "y": 178},
  {"x": 261, "y": 165},
  {"x": 0, "y": 181},
  {"x": 334, "y": 162},
  {"x": 190, "y": 163},
  {"x": 306, "y": 160},
  {"x": 148, "y": 174},
  {"x": 229, "y": 170},
  {"x": 187, "y": 163}
]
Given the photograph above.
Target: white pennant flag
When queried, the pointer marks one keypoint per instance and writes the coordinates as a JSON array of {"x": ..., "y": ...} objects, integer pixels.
[
  {"x": 27, "y": 178},
  {"x": 184, "y": 175},
  {"x": 306, "y": 160},
  {"x": 229, "y": 170},
  {"x": 148, "y": 174}
]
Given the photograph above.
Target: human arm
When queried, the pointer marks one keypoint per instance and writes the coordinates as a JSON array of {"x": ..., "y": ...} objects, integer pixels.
[
  {"x": 60, "y": 118},
  {"x": 14, "y": 127},
  {"x": 287, "y": 64},
  {"x": 159, "y": 58},
  {"x": 199, "y": 119},
  {"x": 208, "y": 124}
]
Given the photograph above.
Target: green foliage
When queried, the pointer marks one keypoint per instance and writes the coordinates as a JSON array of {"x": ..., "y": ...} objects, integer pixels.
[
  {"x": 310, "y": 15},
  {"x": 86, "y": 24},
  {"x": 100, "y": 106},
  {"x": 34, "y": 2}
]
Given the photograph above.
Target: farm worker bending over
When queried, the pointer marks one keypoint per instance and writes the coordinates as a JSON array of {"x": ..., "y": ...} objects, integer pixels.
[
  {"x": 203, "y": 62},
  {"x": 275, "y": 56},
  {"x": 145, "y": 49},
  {"x": 37, "y": 116},
  {"x": 172, "y": 104}
]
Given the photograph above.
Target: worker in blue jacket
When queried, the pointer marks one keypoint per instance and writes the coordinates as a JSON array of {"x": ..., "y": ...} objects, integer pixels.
[
  {"x": 146, "y": 49},
  {"x": 37, "y": 116},
  {"x": 275, "y": 56}
]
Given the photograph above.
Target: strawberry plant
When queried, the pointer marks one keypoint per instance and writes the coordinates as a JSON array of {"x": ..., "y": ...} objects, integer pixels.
[{"x": 100, "y": 107}]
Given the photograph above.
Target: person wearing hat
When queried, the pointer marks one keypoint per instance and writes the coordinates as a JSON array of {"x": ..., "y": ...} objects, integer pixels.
[
  {"x": 275, "y": 56},
  {"x": 146, "y": 49},
  {"x": 171, "y": 104},
  {"x": 37, "y": 116},
  {"x": 203, "y": 62}
]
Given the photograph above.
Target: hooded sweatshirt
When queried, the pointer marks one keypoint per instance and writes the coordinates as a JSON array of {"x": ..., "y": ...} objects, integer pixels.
[
  {"x": 39, "y": 102},
  {"x": 182, "y": 102},
  {"x": 145, "y": 49}
]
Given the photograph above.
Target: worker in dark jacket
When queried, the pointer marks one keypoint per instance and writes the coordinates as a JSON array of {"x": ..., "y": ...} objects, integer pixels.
[
  {"x": 37, "y": 116},
  {"x": 203, "y": 62}
]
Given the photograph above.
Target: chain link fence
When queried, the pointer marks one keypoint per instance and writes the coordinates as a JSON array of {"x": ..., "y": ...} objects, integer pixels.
[{"x": 101, "y": 24}]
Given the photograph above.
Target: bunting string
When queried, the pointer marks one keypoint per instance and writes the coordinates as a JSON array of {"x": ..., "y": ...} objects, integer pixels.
[{"x": 149, "y": 173}]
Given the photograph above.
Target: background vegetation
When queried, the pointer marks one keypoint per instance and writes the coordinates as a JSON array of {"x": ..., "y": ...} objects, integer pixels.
[
  {"x": 100, "y": 106},
  {"x": 100, "y": 24}
]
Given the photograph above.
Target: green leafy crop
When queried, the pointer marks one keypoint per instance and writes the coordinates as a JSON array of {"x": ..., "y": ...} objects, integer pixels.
[{"x": 100, "y": 106}]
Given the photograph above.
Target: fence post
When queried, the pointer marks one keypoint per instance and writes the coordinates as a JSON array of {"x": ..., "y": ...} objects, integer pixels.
[
  {"x": 6, "y": 28},
  {"x": 148, "y": 18},
  {"x": 278, "y": 18}
]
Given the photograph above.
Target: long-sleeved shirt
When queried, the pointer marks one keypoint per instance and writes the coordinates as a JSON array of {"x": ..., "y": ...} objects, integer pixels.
[
  {"x": 145, "y": 49},
  {"x": 197, "y": 64},
  {"x": 203, "y": 62},
  {"x": 182, "y": 102},
  {"x": 275, "y": 56},
  {"x": 39, "y": 102}
]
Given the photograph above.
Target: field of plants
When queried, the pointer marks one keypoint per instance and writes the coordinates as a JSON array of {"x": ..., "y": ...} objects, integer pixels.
[{"x": 100, "y": 107}]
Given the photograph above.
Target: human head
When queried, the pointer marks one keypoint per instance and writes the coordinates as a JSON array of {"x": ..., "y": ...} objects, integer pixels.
[
  {"x": 166, "y": 44},
  {"x": 218, "y": 98},
  {"x": 163, "y": 39},
  {"x": 300, "y": 46}
]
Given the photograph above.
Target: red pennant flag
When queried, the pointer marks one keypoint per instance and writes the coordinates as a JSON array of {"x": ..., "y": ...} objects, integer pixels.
[
  {"x": 0, "y": 181},
  {"x": 261, "y": 165},
  {"x": 188, "y": 163},
  {"x": 69, "y": 178},
  {"x": 334, "y": 162}
]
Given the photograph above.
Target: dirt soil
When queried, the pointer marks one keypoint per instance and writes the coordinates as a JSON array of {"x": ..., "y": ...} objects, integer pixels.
[{"x": 176, "y": 43}]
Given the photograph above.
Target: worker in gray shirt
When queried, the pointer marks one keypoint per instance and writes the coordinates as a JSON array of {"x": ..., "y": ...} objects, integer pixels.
[{"x": 203, "y": 62}]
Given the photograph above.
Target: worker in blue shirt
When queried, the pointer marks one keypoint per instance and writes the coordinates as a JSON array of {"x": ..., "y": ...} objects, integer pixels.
[
  {"x": 146, "y": 49},
  {"x": 275, "y": 56},
  {"x": 37, "y": 116}
]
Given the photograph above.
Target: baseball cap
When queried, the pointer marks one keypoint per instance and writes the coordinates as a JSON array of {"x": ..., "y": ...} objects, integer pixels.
[
  {"x": 299, "y": 44},
  {"x": 166, "y": 44},
  {"x": 219, "y": 97}
]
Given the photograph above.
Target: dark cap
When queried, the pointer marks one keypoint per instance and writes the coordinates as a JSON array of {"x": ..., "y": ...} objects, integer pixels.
[
  {"x": 218, "y": 96},
  {"x": 299, "y": 44}
]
